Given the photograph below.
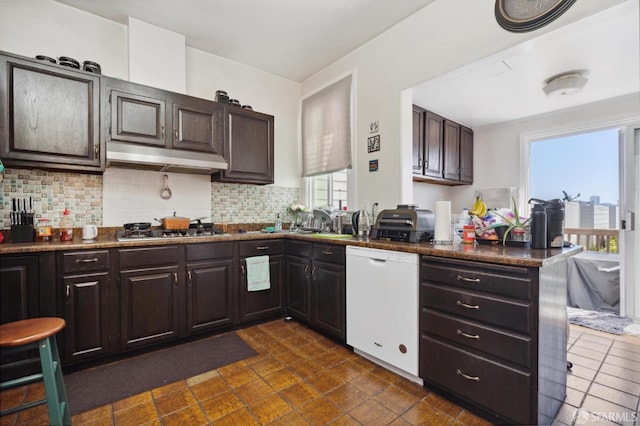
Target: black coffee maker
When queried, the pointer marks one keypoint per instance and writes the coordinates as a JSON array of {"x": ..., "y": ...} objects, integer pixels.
[{"x": 547, "y": 218}]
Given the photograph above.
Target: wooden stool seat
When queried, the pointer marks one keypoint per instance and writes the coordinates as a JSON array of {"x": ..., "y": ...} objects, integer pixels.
[
  {"x": 31, "y": 334},
  {"x": 20, "y": 333}
]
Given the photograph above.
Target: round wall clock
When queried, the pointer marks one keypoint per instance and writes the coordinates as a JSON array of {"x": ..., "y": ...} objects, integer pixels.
[{"x": 527, "y": 15}]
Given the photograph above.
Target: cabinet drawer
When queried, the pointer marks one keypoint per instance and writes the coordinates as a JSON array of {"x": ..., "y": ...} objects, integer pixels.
[
  {"x": 260, "y": 247},
  {"x": 207, "y": 251},
  {"x": 494, "y": 386},
  {"x": 479, "y": 307},
  {"x": 150, "y": 256},
  {"x": 298, "y": 248},
  {"x": 81, "y": 261},
  {"x": 496, "y": 279},
  {"x": 508, "y": 346},
  {"x": 329, "y": 253}
]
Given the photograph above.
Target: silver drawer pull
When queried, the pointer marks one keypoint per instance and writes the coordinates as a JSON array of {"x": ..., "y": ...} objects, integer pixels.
[
  {"x": 327, "y": 252},
  {"x": 474, "y": 378},
  {"x": 467, "y": 335},
  {"x": 262, "y": 248},
  {"x": 469, "y": 280},
  {"x": 92, "y": 260},
  {"x": 464, "y": 305}
]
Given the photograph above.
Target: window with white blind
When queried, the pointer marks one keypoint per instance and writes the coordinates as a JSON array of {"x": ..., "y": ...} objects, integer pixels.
[
  {"x": 326, "y": 144},
  {"x": 326, "y": 129}
]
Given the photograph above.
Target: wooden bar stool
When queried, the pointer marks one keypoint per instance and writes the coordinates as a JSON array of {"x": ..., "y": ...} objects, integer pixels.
[{"x": 31, "y": 333}]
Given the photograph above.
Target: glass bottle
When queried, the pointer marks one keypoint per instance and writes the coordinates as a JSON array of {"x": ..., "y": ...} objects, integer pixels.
[{"x": 66, "y": 227}]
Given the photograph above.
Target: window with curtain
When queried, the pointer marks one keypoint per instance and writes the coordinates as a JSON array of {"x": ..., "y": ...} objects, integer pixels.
[
  {"x": 326, "y": 130},
  {"x": 326, "y": 144}
]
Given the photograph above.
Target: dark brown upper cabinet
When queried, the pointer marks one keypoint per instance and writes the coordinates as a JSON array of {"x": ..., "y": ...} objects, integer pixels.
[
  {"x": 49, "y": 116},
  {"x": 417, "y": 163},
  {"x": 452, "y": 150},
  {"x": 442, "y": 149},
  {"x": 466, "y": 154},
  {"x": 146, "y": 115},
  {"x": 248, "y": 147},
  {"x": 433, "y": 145}
]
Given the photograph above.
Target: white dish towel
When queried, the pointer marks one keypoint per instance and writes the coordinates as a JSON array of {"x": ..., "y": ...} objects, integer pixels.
[{"x": 258, "y": 277}]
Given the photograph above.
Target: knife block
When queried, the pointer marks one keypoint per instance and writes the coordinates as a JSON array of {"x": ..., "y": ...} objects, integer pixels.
[{"x": 23, "y": 233}]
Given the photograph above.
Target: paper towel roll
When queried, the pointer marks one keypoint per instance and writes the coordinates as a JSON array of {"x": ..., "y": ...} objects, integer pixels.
[{"x": 442, "y": 227}]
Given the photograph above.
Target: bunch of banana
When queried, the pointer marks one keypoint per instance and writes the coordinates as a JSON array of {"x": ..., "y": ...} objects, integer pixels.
[{"x": 479, "y": 208}]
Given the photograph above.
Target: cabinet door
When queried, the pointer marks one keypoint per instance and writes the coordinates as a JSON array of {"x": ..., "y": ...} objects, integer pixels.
[
  {"x": 418, "y": 140},
  {"x": 263, "y": 303},
  {"x": 86, "y": 314},
  {"x": 249, "y": 147},
  {"x": 19, "y": 288},
  {"x": 433, "y": 144},
  {"x": 466, "y": 154},
  {"x": 198, "y": 125},
  {"x": 298, "y": 276},
  {"x": 209, "y": 295},
  {"x": 136, "y": 118},
  {"x": 49, "y": 116},
  {"x": 451, "y": 150},
  {"x": 328, "y": 298},
  {"x": 149, "y": 305}
]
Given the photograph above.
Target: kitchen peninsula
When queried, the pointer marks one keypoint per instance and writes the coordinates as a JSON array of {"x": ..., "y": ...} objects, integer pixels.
[{"x": 514, "y": 298}]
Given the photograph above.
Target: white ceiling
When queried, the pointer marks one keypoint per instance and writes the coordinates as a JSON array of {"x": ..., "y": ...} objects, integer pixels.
[
  {"x": 508, "y": 86},
  {"x": 297, "y": 38},
  {"x": 290, "y": 38}
]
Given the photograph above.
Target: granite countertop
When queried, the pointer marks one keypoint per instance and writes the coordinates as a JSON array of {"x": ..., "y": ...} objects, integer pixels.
[{"x": 514, "y": 256}]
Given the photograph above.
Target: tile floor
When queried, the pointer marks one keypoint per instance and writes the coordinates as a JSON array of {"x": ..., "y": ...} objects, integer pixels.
[{"x": 302, "y": 378}]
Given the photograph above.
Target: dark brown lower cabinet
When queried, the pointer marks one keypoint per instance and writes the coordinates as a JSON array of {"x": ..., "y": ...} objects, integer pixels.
[
  {"x": 27, "y": 290},
  {"x": 316, "y": 286},
  {"x": 263, "y": 303},
  {"x": 298, "y": 279},
  {"x": 209, "y": 302},
  {"x": 328, "y": 290},
  {"x": 495, "y": 336},
  {"x": 85, "y": 313},
  {"x": 151, "y": 288},
  {"x": 85, "y": 287},
  {"x": 328, "y": 298}
]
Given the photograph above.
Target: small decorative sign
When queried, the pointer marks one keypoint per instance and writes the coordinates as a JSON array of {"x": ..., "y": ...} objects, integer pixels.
[
  {"x": 373, "y": 143},
  {"x": 373, "y": 127},
  {"x": 373, "y": 165}
]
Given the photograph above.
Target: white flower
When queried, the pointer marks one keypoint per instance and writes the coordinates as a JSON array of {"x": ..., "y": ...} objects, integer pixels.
[{"x": 295, "y": 208}]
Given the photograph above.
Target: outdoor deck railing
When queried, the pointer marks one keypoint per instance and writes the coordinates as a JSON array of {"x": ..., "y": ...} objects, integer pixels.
[{"x": 603, "y": 240}]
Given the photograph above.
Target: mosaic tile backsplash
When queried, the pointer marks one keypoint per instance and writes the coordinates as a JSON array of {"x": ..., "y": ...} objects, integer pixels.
[{"x": 84, "y": 196}]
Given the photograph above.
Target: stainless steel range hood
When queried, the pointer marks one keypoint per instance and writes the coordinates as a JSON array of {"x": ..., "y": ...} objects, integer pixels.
[{"x": 143, "y": 157}]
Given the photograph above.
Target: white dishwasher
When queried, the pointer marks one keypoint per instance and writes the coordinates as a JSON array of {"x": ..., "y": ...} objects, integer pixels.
[{"x": 382, "y": 308}]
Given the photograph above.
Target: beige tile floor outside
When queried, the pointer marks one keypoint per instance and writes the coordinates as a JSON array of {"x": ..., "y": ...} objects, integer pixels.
[{"x": 302, "y": 378}]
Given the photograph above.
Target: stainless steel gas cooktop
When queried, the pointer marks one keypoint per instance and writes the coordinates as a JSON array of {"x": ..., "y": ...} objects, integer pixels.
[{"x": 165, "y": 234}]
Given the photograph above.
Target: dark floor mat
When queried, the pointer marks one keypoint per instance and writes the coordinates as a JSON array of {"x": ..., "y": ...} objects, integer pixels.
[{"x": 112, "y": 382}]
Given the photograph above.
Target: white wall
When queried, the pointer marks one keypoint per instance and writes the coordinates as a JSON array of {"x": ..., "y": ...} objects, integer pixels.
[
  {"x": 265, "y": 92},
  {"x": 156, "y": 56},
  {"x": 424, "y": 46},
  {"x": 44, "y": 27}
]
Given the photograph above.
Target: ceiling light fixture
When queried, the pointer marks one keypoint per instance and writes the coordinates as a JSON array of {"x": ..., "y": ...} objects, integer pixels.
[{"x": 566, "y": 83}]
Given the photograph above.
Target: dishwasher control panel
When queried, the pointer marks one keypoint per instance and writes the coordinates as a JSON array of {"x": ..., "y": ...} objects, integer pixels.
[{"x": 383, "y": 255}]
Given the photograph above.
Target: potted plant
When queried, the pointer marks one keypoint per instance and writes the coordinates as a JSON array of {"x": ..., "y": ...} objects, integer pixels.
[{"x": 515, "y": 224}]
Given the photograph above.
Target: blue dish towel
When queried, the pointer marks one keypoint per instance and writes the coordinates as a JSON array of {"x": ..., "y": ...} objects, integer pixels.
[{"x": 258, "y": 273}]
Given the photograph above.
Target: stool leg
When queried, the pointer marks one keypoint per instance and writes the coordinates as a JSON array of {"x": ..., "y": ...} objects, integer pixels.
[{"x": 53, "y": 382}]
